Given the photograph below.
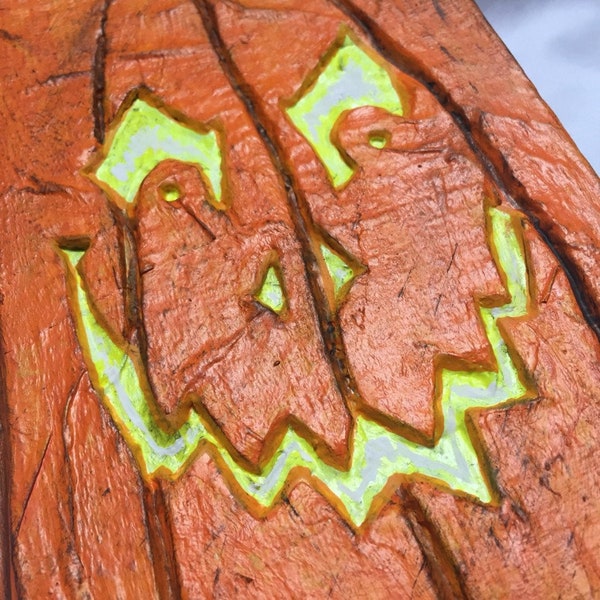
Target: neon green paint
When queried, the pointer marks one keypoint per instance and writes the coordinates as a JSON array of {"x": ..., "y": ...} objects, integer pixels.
[
  {"x": 378, "y": 453},
  {"x": 120, "y": 381},
  {"x": 271, "y": 292},
  {"x": 350, "y": 79},
  {"x": 144, "y": 138},
  {"x": 339, "y": 270},
  {"x": 378, "y": 141},
  {"x": 170, "y": 192}
]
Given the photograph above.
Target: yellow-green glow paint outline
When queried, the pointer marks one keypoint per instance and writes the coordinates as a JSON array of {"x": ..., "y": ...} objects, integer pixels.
[
  {"x": 144, "y": 138},
  {"x": 271, "y": 294},
  {"x": 123, "y": 385},
  {"x": 349, "y": 79},
  {"x": 377, "y": 454},
  {"x": 340, "y": 272}
]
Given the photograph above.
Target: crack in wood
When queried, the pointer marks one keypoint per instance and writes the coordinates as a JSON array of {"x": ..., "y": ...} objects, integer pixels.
[
  {"x": 416, "y": 579},
  {"x": 7, "y": 575},
  {"x": 162, "y": 548},
  {"x": 99, "y": 75},
  {"x": 68, "y": 526},
  {"x": 36, "y": 474},
  {"x": 329, "y": 324},
  {"x": 203, "y": 226}
]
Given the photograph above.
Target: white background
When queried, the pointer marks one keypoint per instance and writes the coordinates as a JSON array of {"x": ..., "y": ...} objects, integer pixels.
[{"x": 557, "y": 43}]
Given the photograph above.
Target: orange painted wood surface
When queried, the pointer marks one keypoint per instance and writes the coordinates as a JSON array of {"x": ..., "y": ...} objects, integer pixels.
[{"x": 79, "y": 521}]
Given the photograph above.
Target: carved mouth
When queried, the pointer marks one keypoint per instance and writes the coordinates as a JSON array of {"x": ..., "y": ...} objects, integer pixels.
[
  {"x": 144, "y": 134},
  {"x": 379, "y": 457}
]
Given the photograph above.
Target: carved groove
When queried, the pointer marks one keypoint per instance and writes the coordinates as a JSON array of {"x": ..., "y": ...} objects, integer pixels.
[
  {"x": 160, "y": 540},
  {"x": 158, "y": 532},
  {"x": 444, "y": 574},
  {"x": 6, "y": 468},
  {"x": 99, "y": 75},
  {"x": 329, "y": 325}
]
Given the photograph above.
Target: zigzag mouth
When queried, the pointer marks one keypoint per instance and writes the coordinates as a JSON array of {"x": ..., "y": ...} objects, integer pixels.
[{"x": 379, "y": 457}]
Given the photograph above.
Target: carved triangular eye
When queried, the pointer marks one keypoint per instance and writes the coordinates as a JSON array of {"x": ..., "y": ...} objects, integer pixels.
[
  {"x": 341, "y": 270},
  {"x": 271, "y": 293}
]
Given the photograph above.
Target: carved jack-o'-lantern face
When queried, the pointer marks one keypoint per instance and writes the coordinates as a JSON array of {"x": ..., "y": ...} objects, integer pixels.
[{"x": 290, "y": 364}]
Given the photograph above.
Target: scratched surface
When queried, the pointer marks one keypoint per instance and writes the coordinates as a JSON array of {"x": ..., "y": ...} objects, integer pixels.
[{"x": 82, "y": 521}]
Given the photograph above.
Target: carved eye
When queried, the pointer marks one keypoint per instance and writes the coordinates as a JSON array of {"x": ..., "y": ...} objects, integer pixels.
[
  {"x": 271, "y": 292},
  {"x": 349, "y": 79},
  {"x": 146, "y": 136}
]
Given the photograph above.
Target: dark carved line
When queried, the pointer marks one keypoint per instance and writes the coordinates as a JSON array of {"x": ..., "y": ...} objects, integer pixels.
[
  {"x": 99, "y": 75},
  {"x": 33, "y": 482},
  {"x": 133, "y": 289},
  {"x": 162, "y": 549},
  {"x": 76, "y": 571},
  {"x": 203, "y": 226},
  {"x": 492, "y": 160},
  {"x": 158, "y": 531},
  {"x": 440, "y": 562},
  {"x": 329, "y": 325},
  {"x": 6, "y": 467},
  {"x": 439, "y": 10},
  {"x": 444, "y": 574}
]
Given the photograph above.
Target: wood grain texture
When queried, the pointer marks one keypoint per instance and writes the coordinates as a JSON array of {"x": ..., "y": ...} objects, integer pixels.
[
  {"x": 176, "y": 280},
  {"x": 67, "y": 510}
]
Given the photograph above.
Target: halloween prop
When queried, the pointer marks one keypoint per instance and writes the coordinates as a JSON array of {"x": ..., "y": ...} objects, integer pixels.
[{"x": 299, "y": 299}]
